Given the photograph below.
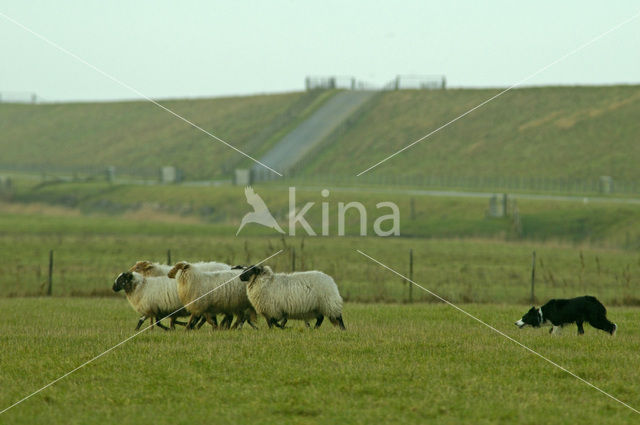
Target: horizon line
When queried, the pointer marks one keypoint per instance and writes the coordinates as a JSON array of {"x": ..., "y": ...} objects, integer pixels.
[{"x": 41, "y": 100}]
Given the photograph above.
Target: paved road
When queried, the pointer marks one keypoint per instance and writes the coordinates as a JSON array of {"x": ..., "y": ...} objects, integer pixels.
[{"x": 295, "y": 145}]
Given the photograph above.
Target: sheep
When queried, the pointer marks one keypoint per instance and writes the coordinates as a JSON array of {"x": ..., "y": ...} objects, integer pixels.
[
  {"x": 153, "y": 296},
  {"x": 148, "y": 268},
  {"x": 209, "y": 293},
  {"x": 301, "y": 296}
]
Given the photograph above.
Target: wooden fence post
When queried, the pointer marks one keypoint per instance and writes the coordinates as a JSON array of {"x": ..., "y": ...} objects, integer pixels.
[
  {"x": 49, "y": 287},
  {"x": 168, "y": 256},
  {"x": 533, "y": 277},
  {"x": 293, "y": 259},
  {"x": 413, "y": 209},
  {"x": 411, "y": 275}
]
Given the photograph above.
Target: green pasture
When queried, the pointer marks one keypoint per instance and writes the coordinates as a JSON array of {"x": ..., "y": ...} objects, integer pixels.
[
  {"x": 612, "y": 224},
  {"x": 90, "y": 251},
  {"x": 394, "y": 364}
]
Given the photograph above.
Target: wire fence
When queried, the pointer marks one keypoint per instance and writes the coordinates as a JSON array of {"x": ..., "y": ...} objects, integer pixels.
[
  {"x": 19, "y": 97},
  {"x": 600, "y": 185},
  {"x": 86, "y": 173},
  {"x": 400, "y": 82}
]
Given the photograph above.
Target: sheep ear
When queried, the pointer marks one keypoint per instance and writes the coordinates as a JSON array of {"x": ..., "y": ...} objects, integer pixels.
[{"x": 135, "y": 266}]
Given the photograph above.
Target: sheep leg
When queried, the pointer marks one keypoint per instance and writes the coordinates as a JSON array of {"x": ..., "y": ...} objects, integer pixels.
[
  {"x": 307, "y": 324},
  {"x": 269, "y": 321},
  {"x": 226, "y": 322},
  {"x": 212, "y": 321},
  {"x": 191, "y": 322},
  {"x": 202, "y": 322},
  {"x": 250, "y": 316},
  {"x": 275, "y": 322},
  {"x": 319, "y": 320},
  {"x": 178, "y": 322},
  {"x": 338, "y": 322},
  {"x": 341, "y": 323},
  {"x": 253, "y": 325},
  {"x": 240, "y": 319},
  {"x": 141, "y": 321},
  {"x": 284, "y": 321},
  {"x": 160, "y": 325},
  {"x": 151, "y": 321}
]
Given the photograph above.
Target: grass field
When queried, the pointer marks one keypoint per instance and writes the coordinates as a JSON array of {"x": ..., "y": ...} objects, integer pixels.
[
  {"x": 90, "y": 251},
  {"x": 601, "y": 223},
  {"x": 394, "y": 364}
]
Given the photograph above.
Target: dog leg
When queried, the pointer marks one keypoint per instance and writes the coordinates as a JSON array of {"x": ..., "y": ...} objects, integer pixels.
[{"x": 602, "y": 323}]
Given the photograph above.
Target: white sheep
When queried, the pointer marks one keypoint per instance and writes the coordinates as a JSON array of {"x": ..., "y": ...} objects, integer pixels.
[
  {"x": 206, "y": 294},
  {"x": 300, "y": 296},
  {"x": 154, "y": 297},
  {"x": 148, "y": 268}
]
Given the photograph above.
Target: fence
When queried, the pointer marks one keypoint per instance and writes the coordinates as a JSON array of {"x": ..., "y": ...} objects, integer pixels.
[
  {"x": 400, "y": 82},
  {"x": 461, "y": 182},
  {"x": 330, "y": 82},
  {"x": 91, "y": 173},
  {"x": 420, "y": 82},
  {"x": 595, "y": 185},
  {"x": 68, "y": 274},
  {"x": 19, "y": 97}
]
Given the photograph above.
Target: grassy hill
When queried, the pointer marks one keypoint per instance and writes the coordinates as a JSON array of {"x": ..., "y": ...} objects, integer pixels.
[
  {"x": 549, "y": 132},
  {"x": 140, "y": 135}
]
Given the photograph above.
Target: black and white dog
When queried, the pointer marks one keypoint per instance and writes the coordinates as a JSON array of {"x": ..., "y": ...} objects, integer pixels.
[{"x": 575, "y": 310}]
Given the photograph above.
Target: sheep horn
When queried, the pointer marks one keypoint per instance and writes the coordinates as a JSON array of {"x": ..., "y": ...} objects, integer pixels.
[{"x": 180, "y": 266}]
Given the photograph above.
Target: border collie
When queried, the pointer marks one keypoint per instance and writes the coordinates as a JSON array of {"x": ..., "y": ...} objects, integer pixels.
[{"x": 575, "y": 310}]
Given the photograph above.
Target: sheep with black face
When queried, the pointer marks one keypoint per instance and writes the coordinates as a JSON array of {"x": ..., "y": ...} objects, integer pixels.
[
  {"x": 152, "y": 297},
  {"x": 148, "y": 268},
  {"x": 298, "y": 296}
]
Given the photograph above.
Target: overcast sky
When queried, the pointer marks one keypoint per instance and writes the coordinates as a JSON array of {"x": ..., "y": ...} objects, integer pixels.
[{"x": 196, "y": 49}]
